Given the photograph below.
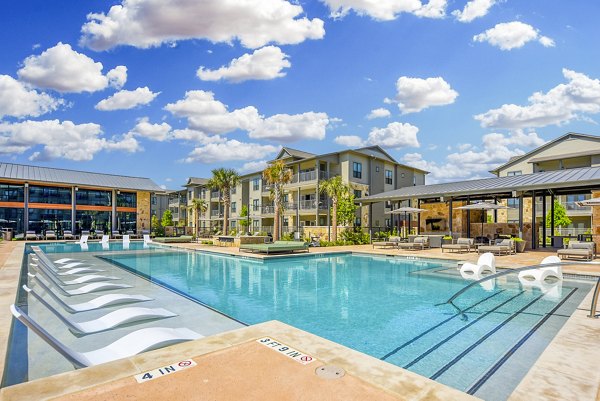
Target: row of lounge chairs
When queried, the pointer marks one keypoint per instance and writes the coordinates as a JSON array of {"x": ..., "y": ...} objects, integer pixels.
[
  {"x": 52, "y": 280},
  {"x": 418, "y": 243},
  {"x": 31, "y": 235}
]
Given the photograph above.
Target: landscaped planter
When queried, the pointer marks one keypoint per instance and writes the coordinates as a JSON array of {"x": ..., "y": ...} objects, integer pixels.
[{"x": 520, "y": 245}]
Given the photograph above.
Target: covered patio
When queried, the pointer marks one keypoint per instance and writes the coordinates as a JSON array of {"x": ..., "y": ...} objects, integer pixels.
[{"x": 528, "y": 197}]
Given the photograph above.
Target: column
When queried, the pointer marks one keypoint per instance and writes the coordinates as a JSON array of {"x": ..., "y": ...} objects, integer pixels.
[
  {"x": 450, "y": 216},
  {"x": 297, "y": 209},
  {"x": 521, "y": 215},
  {"x": 73, "y": 210},
  {"x": 543, "y": 219},
  {"x": 26, "y": 206},
  {"x": 533, "y": 227},
  {"x": 552, "y": 218},
  {"x": 468, "y": 219},
  {"x": 317, "y": 193},
  {"x": 113, "y": 219},
  {"x": 418, "y": 218}
]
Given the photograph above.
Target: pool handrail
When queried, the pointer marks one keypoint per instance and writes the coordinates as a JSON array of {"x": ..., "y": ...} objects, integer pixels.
[{"x": 450, "y": 300}]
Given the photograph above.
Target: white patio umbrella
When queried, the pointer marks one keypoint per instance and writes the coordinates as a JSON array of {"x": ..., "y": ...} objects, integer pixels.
[
  {"x": 482, "y": 206},
  {"x": 589, "y": 202},
  {"x": 406, "y": 210}
]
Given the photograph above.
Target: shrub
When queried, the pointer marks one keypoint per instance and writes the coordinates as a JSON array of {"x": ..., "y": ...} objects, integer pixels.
[
  {"x": 355, "y": 237},
  {"x": 287, "y": 237}
]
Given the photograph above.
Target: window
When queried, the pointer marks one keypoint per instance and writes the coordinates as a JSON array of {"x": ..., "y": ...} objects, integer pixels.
[
  {"x": 357, "y": 170},
  {"x": 388, "y": 204},
  {"x": 388, "y": 223},
  {"x": 357, "y": 194},
  {"x": 255, "y": 205},
  {"x": 41, "y": 220},
  {"x": 357, "y": 222},
  {"x": 233, "y": 207},
  {"x": 127, "y": 199},
  {"x": 513, "y": 173},
  {"x": 376, "y": 169},
  {"x": 91, "y": 220},
  {"x": 126, "y": 221},
  {"x": 12, "y": 218},
  {"x": 513, "y": 203},
  {"x": 402, "y": 175},
  {"x": 153, "y": 200},
  {"x": 256, "y": 184},
  {"x": 93, "y": 198},
  {"x": 233, "y": 190},
  {"x": 190, "y": 194},
  {"x": 414, "y": 180},
  {"x": 11, "y": 193},
  {"x": 388, "y": 177},
  {"x": 233, "y": 224},
  {"x": 55, "y": 195}
]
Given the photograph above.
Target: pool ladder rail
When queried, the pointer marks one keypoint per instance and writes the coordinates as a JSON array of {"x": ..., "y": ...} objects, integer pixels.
[{"x": 595, "y": 297}]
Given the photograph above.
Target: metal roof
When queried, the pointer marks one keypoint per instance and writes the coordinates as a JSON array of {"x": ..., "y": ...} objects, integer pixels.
[
  {"x": 73, "y": 177},
  {"x": 560, "y": 179},
  {"x": 196, "y": 181}
]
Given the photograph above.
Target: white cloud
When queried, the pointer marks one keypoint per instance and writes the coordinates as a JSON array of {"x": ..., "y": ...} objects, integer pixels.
[
  {"x": 155, "y": 132},
  {"x": 63, "y": 69},
  {"x": 395, "y": 135},
  {"x": 147, "y": 23},
  {"x": 378, "y": 113},
  {"x": 474, "y": 9},
  {"x": 265, "y": 63},
  {"x": 292, "y": 127},
  {"x": 473, "y": 162},
  {"x": 125, "y": 100},
  {"x": 512, "y": 35},
  {"x": 351, "y": 141},
  {"x": 200, "y": 137},
  {"x": 416, "y": 94},
  {"x": 387, "y": 10},
  {"x": 60, "y": 140},
  {"x": 17, "y": 100},
  {"x": 561, "y": 104},
  {"x": 210, "y": 116},
  {"x": 250, "y": 167},
  {"x": 230, "y": 150}
]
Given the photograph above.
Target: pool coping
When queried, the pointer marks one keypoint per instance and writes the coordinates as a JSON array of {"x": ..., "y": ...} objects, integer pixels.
[{"x": 566, "y": 369}]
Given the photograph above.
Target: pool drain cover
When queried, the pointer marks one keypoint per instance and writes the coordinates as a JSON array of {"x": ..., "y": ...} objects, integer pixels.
[{"x": 330, "y": 372}]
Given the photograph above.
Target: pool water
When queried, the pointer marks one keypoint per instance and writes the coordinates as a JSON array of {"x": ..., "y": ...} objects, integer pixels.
[
  {"x": 387, "y": 307},
  {"x": 71, "y": 247}
]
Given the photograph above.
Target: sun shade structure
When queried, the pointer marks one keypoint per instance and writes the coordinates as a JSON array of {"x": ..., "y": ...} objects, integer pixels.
[
  {"x": 407, "y": 210},
  {"x": 589, "y": 202},
  {"x": 482, "y": 206}
]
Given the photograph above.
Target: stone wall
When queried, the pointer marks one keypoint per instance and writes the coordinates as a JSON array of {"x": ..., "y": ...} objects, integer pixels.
[
  {"x": 321, "y": 231},
  {"x": 143, "y": 211}
]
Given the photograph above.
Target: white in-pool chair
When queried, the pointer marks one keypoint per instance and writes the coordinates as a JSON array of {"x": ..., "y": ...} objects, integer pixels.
[
  {"x": 109, "y": 321},
  {"x": 99, "y": 302},
  {"x": 125, "y": 241},
  {"x": 147, "y": 239},
  {"x": 486, "y": 262},
  {"x": 85, "y": 289},
  {"x": 129, "y": 345},
  {"x": 488, "y": 285},
  {"x": 83, "y": 239},
  {"x": 541, "y": 273},
  {"x": 105, "y": 238},
  {"x": 77, "y": 270},
  {"x": 66, "y": 260},
  {"x": 40, "y": 256},
  {"x": 552, "y": 291},
  {"x": 90, "y": 278}
]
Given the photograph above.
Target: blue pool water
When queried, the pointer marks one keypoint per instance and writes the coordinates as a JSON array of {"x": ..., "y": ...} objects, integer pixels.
[{"x": 382, "y": 306}]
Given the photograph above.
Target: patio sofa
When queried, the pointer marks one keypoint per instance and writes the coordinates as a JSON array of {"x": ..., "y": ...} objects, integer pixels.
[
  {"x": 419, "y": 243},
  {"x": 277, "y": 246},
  {"x": 392, "y": 242},
  {"x": 461, "y": 245},
  {"x": 578, "y": 250},
  {"x": 504, "y": 247}
]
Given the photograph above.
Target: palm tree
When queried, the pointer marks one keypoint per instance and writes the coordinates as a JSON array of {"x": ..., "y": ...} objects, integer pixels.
[
  {"x": 224, "y": 179},
  {"x": 199, "y": 205},
  {"x": 335, "y": 190},
  {"x": 277, "y": 175}
]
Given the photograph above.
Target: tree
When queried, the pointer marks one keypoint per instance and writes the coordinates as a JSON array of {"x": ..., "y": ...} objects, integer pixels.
[
  {"x": 199, "y": 206},
  {"x": 244, "y": 221},
  {"x": 156, "y": 227},
  {"x": 560, "y": 216},
  {"x": 224, "y": 179},
  {"x": 277, "y": 175},
  {"x": 346, "y": 209},
  {"x": 335, "y": 190},
  {"x": 167, "y": 219}
]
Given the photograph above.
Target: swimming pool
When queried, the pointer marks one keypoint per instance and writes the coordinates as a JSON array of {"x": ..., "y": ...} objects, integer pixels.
[{"x": 382, "y": 306}]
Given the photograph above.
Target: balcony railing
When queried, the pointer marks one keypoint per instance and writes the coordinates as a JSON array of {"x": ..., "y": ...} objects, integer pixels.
[
  {"x": 307, "y": 204},
  {"x": 216, "y": 213},
  {"x": 215, "y": 194},
  {"x": 270, "y": 209},
  {"x": 175, "y": 216},
  {"x": 307, "y": 176}
]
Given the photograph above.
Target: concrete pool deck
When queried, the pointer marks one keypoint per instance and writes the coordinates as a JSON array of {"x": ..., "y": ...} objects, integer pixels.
[{"x": 566, "y": 370}]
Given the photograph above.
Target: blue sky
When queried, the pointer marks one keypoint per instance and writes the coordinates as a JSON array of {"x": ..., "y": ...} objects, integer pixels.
[{"x": 169, "y": 89}]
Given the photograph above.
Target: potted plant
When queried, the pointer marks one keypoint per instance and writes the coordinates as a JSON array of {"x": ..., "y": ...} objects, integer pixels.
[
  {"x": 520, "y": 244},
  {"x": 446, "y": 239}
]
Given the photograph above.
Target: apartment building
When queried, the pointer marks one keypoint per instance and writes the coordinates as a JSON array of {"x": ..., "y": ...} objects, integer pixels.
[
  {"x": 569, "y": 151},
  {"x": 367, "y": 170}
]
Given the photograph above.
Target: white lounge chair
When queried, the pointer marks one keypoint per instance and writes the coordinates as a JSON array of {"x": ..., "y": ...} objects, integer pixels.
[
  {"x": 41, "y": 256},
  {"x": 77, "y": 270},
  {"x": 541, "y": 273},
  {"x": 129, "y": 345},
  {"x": 101, "y": 301},
  {"x": 106, "y": 322},
  {"x": 147, "y": 239},
  {"x": 126, "y": 241},
  {"x": 66, "y": 260},
  {"x": 486, "y": 262},
  {"x": 86, "y": 289},
  {"x": 83, "y": 239},
  {"x": 90, "y": 278}
]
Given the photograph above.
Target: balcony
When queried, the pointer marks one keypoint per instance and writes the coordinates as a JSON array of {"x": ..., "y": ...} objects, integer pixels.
[
  {"x": 265, "y": 186},
  {"x": 307, "y": 204},
  {"x": 216, "y": 213},
  {"x": 175, "y": 216},
  {"x": 308, "y": 176},
  {"x": 270, "y": 209},
  {"x": 215, "y": 194}
]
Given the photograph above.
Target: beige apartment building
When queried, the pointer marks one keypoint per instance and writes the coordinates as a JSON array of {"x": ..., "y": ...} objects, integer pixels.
[{"x": 368, "y": 170}]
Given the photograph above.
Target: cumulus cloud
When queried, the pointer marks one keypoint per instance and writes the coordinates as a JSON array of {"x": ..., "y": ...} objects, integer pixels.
[
  {"x": 473, "y": 9},
  {"x": 125, "y": 100},
  {"x": 147, "y": 23},
  {"x": 210, "y": 116},
  {"x": 196, "y": 136},
  {"x": 395, "y": 135},
  {"x": 350, "y": 141},
  {"x": 63, "y": 69},
  {"x": 416, "y": 94},
  {"x": 231, "y": 150},
  {"x": 512, "y": 35},
  {"x": 292, "y": 127},
  {"x": 378, "y": 113},
  {"x": 474, "y": 162},
  {"x": 250, "y": 167},
  {"x": 17, "y": 100},
  {"x": 265, "y": 63},
  {"x": 580, "y": 95},
  {"x": 58, "y": 139},
  {"x": 155, "y": 132},
  {"x": 387, "y": 10}
]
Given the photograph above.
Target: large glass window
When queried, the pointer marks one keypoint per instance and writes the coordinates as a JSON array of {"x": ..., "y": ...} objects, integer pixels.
[
  {"x": 12, "y": 218},
  {"x": 233, "y": 207},
  {"x": 92, "y": 220},
  {"x": 126, "y": 221},
  {"x": 94, "y": 198},
  {"x": 57, "y": 195},
  {"x": 127, "y": 199},
  {"x": 256, "y": 184},
  {"x": 41, "y": 220},
  {"x": 12, "y": 193},
  {"x": 388, "y": 177},
  {"x": 357, "y": 170}
]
